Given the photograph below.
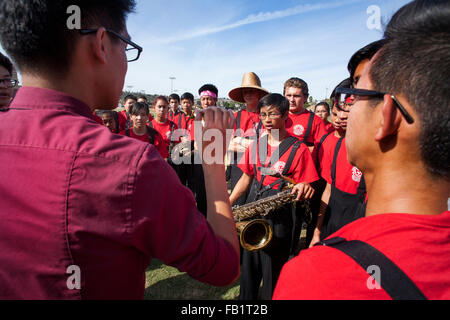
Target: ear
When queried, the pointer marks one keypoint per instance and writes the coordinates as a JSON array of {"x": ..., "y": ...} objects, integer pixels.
[
  {"x": 99, "y": 46},
  {"x": 390, "y": 119}
]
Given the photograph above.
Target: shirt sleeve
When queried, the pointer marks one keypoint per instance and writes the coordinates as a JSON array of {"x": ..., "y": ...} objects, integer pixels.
[
  {"x": 161, "y": 146},
  {"x": 173, "y": 230}
]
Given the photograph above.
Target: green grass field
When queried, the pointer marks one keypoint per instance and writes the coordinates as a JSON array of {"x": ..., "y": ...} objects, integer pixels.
[{"x": 167, "y": 283}]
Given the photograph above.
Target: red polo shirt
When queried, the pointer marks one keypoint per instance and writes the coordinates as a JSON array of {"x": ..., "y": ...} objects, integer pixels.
[
  {"x": 248, "y": 125},
  {"x": 72, "y": 193},
  {"x": 158, "y": 142}
]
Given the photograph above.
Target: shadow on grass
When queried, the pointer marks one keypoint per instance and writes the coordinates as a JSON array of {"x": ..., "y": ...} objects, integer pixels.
[{"x": 167, "y": 283}]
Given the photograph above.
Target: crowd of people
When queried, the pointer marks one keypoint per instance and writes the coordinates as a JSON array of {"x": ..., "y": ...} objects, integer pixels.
[{"x": 108, "y": 194}]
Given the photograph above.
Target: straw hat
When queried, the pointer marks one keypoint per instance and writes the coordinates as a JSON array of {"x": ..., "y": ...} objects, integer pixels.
[{"x": 249, "y": 81}]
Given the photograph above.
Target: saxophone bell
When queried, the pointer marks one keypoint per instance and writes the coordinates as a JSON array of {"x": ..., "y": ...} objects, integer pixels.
[{"x": 255, "y": 234}]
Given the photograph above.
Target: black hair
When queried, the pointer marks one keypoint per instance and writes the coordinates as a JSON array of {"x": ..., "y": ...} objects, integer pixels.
[
  {"x": 187, "y": 96},
  {"x": 325, "y": 104},
  {"x": 128, "y": 97},
  {"x": 415, "y": 63},
  {"x": 35, "y": 34},
  {"x": 346, "y": 83},
  {"x": 6, "y": 63},
  {"x": 364, "y": 53},
  {"x": 142, "y": 97},
  {"x": 209, "y": 87},
  {"x": 275, "y": 100},
  {"x": 174, "y": 96},
  {"x": 138, "y": 106}
]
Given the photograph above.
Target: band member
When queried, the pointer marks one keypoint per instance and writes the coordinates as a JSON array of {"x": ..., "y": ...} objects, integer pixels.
[
  {"x": 288, "y": 156},
  {"x": 125, "y": 121},
  {"x": 174, "y": 106},
  {"x": 6, "y": 82},
  {"x": 248, "y": 125},
  {"x": 139, "y": 116},
  {"x": 164, "y": 126},
  {"x": 302, "y": 123},
  {"x": 109, "y": 121},
  {"x": 398, "y": 135},
  {"x": 322, "y": 110},
  {"x": 343, "y": 198}
]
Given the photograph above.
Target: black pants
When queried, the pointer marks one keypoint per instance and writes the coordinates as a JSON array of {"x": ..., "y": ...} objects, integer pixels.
[
  {"x": 196, "y": 182},
  {"x": 263, "y": 265}
]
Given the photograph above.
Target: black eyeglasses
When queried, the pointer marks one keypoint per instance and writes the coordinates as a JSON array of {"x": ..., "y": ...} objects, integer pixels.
[
  {"x": 373, "y": 94},
  {"x": 8, "y": 83},
  {"x": 133, "y": 50}
]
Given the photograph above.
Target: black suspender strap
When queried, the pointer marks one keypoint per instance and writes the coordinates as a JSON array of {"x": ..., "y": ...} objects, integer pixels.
[
  {"x": 336, "y": 153},
  {"x": 309, "y": 128},
  {"x": 392, "y": 279},
  {"x": 127, "y": 132},
  {"x": 238, "y": 122},
  {"x": 317, "y": 149}
]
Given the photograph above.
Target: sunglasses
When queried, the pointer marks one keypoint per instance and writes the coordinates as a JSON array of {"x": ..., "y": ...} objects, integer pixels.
[{"x": 341, "y": 92}]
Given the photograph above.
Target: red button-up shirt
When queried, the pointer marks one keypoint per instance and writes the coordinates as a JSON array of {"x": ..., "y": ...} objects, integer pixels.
[{"x": 74, "y": 194}]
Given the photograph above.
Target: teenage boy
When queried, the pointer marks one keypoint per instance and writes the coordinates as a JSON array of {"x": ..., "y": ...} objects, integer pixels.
[
  {"x": 125, "y": 121},
  {"x": 208, "y": 98},
  {"x": 140, "y": 131},
  {"x": 398, "y": 135},
  {"x": 6, "y": 82},
  {"x": 109, "y": 121},
  {"x": 302, "y": 123},
  {"x": 288, "y": 156},
  {"x": 164, "y": 126},
  {"x": 174, "y": 109},
  {"x": 343, "y": 198},
  {"x": 77, "y": 224},
  {"x": 248, "y": 125}
]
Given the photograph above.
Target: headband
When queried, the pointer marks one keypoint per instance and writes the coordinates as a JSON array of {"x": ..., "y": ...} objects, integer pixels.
[{"x": 207, "y": 93}]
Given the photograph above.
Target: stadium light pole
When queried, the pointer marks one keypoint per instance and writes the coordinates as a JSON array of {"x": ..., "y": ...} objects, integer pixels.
[{"x": 171, "y": 84}]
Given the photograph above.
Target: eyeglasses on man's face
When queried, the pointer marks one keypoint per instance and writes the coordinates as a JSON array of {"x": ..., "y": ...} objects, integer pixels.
[
  {"x": 358, "y": 94},
  {"x": 8, "y": 83},
  {"x": 132, "y": 50}
]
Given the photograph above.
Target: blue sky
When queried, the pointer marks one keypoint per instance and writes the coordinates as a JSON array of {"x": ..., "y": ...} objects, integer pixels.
[{"x": 206, "y": 41}]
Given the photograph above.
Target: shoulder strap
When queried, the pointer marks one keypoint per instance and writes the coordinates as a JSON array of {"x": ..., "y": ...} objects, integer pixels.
[
  {"x": 238, "y": 120},
  {"x": 392, "y": 279},
  {"x": 151, "y": 134},
  {"x": 127, "y": 132},
  {"x": 334, "y": 165},
  {"x": 317, "y": 149},
  {"x": 288, "y": 165},
  {"x": 309, "y": 128},
  {"x": 150, "y": 124}
]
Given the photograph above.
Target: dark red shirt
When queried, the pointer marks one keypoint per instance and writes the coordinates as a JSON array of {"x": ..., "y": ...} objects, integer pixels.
[
  {"x": 418, "y": 244},
  {"x": 301, "y": 170},
  {"x": 72, "y": 193}
]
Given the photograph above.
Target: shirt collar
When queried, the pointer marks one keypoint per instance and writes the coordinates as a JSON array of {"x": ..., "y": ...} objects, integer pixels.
[{"x": 41, "y": 98}]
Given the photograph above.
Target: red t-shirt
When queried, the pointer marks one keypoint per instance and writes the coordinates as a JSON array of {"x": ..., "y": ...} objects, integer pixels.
[
  {"x": 297, "y": 124},
  {"x": 183, "y": 123},
  {"x": 158, "y": 142},
  {"x": 348, "y": 176},
  {"x": 248, "y": 123},
  {"x": 328, "y": 127},
  {"x": 166, "y": 130},
  {"x": 301, "y": 170},
  {"x": 418, "y": 244},
  {"x": 97, "y": 118},
  {"x": 122, "y": 115}
]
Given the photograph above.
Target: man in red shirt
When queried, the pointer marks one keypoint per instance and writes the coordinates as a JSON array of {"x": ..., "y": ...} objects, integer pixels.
[
  {"x": 288, "y": 156},
  {"x": 248, "y": 126},
  {"x": 398, "y": 135},
  {"x": 75, "y": 216},
  {"x": 125, "y": 115},
  {"x": 302, "y": 123},
  {"x": 162, "y": 125}
]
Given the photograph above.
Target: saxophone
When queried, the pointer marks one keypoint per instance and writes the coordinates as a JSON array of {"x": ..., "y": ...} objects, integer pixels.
[{"x": 256, "y": 234}]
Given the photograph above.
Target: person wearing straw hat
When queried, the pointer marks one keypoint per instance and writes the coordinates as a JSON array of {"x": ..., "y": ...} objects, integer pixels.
[{"x": 248, "y": 126}]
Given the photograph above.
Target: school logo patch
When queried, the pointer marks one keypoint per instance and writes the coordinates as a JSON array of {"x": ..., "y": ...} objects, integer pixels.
[
  {"x": 356, "y": 174},
  {"x": 279, "y": 167},
  {"x": 299, "y": 130}
]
